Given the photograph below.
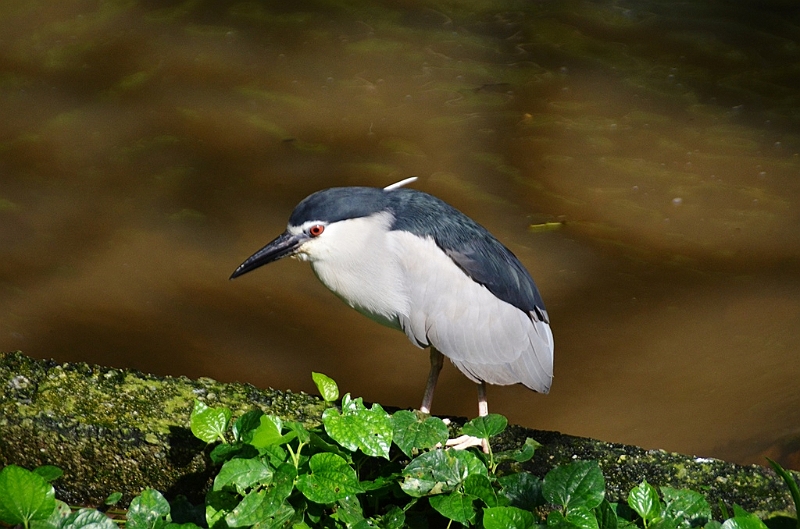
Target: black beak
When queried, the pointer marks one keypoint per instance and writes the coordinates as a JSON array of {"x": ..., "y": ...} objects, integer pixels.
[{"x": 282, "y": 246}]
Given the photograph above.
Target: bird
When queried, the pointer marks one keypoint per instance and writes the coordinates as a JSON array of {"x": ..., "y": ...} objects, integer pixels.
[{"x": 412, "y": 262}]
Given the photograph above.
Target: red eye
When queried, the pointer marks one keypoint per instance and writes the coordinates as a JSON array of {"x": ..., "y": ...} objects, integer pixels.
[{"x": 316, "y": 230}]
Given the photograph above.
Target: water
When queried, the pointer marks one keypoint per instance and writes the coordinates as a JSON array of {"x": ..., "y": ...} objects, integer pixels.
[{"x": 146, "y": 149}]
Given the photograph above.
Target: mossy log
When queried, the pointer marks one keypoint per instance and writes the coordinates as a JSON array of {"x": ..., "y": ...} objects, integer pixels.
[{"x": 122, "y": 430}]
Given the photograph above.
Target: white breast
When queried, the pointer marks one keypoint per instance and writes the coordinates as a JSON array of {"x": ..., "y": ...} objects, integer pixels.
[{"x": 351, "y": 258}]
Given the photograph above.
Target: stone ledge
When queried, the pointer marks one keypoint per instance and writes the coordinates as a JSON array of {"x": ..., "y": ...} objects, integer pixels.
[{"x": 123, "y": 430}]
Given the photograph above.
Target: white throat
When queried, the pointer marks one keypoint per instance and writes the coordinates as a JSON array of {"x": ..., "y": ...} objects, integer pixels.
[{"x": 355, "y": 259}]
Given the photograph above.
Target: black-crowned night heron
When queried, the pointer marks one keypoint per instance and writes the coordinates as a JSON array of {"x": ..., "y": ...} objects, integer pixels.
[{"x": 414, "y": 263}]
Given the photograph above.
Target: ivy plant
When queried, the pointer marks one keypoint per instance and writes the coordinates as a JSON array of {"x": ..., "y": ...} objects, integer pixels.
[{"x": 363, "y": 467}]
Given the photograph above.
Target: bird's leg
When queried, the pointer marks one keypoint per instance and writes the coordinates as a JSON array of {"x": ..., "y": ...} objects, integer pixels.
[
  {"x": 483, "y": 411},
  {"x": 483, "y": 406},
  {"x": 465, "y": 441},
  {"x": 437, "y": 360}
]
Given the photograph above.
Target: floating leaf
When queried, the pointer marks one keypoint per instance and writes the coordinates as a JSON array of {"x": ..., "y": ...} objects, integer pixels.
[{"x": 24, "y": 496}]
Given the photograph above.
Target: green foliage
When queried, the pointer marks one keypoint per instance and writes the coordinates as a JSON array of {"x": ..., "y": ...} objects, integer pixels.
[
  {"x": 24, "y": 496},
  {"x": 209, "y": 424},
  {"x": 364, "y": 468},
  {"x": 328, "y": 389},
  {"x": 791, "y": 483}
]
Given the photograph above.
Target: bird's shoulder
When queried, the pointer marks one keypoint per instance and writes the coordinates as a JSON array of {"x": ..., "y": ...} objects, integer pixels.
[{"x": 471, "y": 247}]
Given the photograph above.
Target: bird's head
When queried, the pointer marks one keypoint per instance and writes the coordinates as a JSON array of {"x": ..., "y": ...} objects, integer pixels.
[{"x": 327, "y": 223}]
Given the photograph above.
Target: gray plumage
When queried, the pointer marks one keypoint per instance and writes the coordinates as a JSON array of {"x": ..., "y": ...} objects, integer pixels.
[{"x": 413, "y": 262}]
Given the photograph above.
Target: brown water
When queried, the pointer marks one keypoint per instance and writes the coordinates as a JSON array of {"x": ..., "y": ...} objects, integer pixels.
[{"x": 147, "y": 148}]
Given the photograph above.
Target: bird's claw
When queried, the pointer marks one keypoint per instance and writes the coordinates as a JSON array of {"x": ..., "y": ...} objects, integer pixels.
[{"x": 463, "y": 442}]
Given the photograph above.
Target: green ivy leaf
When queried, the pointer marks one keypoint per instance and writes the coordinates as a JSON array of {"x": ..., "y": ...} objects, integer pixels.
[
  {"x": 412, "y": 433},
  {"x": 330, "y": 480},
  {"x": 209, "y": 424},
  {"x": 326, "y": 387},
  {"x": 394, "y": 519},
  {"x": 245, "y": 425},
  {"x": 349, "y": 512},
  {"x": 479, "y": 486},
  {"x": 113, "y": 498},
  {"x": 49, "y": 472},
  {"x": 644, "y": 500},
  {"x": 521, "y": 454},
  {"x": 218, "y": 504},
  {"x": 360, "y": 427},
  {"x": 522, "y": 490},
  {"x": 791, "y": 483},
  {"x": 486, "y": 426},
  {"x": 556, "y": 520},
  {"x": 606, "y": 516},
  {"x": 282, "y": 485},
  {"x": 89, "y": 519},
  {"x": 268, "y": 433},
  {"x": 749, "y": 521},
  {"x": 243, "y": 474},
  {"x": 507, "y": 518},
  {"x": 686, "y": 508},
  {"x": 24, "y": 496},
  {"x": 576, "y": 484},
  {"x": 303, "y": 435},
  {"x": 148, "y": 511},
  {"x": 456, "y": 506},
  {"x": 56, "y": 518},
  {"x": 582, "y": 517},
  {"x": 249, "y": 511},
  {"x": 440, "y": 471},
  {"x": 224, "y": 451}
]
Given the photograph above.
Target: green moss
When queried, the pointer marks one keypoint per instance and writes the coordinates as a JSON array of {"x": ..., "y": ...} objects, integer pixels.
[
  {"x": 113, "y": 429},
  {"x": 121, "y": 430}
]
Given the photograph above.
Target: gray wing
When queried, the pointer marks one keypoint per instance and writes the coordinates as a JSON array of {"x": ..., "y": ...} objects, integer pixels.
[
  {"x": 487, "y": 337},
  {"x": 476, "y": 251}
]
